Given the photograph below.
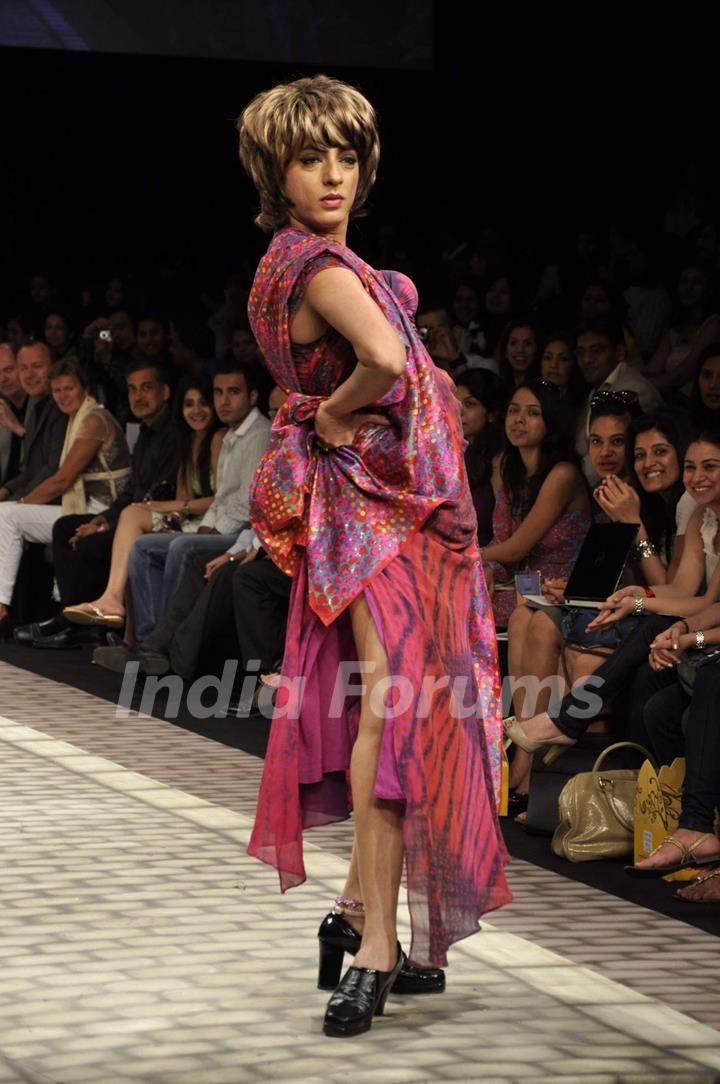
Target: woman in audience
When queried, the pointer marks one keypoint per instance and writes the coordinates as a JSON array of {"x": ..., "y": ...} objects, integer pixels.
[
  {"x": 542, "y": 509},
  {"x": 681, "y": 721},
  {"x": 58, "y": 336},
  {"x": 94, "y": 467},
  {"x": 500, "y": 304},
  {"x": 481, "y": 398},
  {"x": 705, "y": 392},
  {"x": 698, "y": 565},
  {"x": 696, "y": 326},
  {"x": 518, "y": 354},
  {"x": 558, "y": 365},
  {"x": 536, "y": 637},
  {"x": 200, "y": 440}
]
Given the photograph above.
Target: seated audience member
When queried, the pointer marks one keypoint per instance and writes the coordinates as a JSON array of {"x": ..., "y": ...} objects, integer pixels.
[
  {"x": 43, "y": 430},
  {"x": 157, "y": 562},
  {"x": 106, "y": 349},
  {"x": 482, "y": 399},
  {"x": 681, "y": 721},
  {"x": 94, "y": 466},
  {"x": 191, "y": 345},
  {"x": 152, "y": 340},
  {"x": 13, "y": 403},
  {"x": 243, "y": 346},
  {"x": 559, "y": 367},
  {"x": 518, "y": 354},
  {"x": 695, "y": 327},
  {"x": 600, "y": 354},
  {"x": 555, "y": 640},
  {"x": 465, "y": 311},
  {"x": 58, "y": 336},
  {"x": 433, "y": 323},
  {"x": 19, "y": 331},
  {"x": 699, "y": 565},
  {"x": 597, "y": 300},
  {"x": 199, "y": 441},
  {"x": 82, "y": 544},
  {"x": 500, "y": 306},
  {"x": 542, "y": 509},
  {"x": 704, "y": 410}
]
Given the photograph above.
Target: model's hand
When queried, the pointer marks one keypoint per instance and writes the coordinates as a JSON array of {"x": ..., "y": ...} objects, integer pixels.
[
  {"x": 618, "y": 500},
  {"x": 554, "y": 590},
  {"x": 336, "y": 431},
  {"x": 610, "y": 615}
]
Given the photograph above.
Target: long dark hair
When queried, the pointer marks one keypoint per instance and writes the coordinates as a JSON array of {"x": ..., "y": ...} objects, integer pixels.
[
  {"x": 185, "y": 435},
  {"x": 507, "y": 373},
  {"x": 701, "y": 414},
  {"x": 657, "y": 513},
  {"x": 576, "y": 390},
  {"x": 556, "y": 447},
  {"x": 487, "y": 388}
]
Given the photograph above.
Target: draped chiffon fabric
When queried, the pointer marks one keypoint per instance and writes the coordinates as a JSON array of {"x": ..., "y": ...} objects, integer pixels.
[{"x": 390, "y": 517}]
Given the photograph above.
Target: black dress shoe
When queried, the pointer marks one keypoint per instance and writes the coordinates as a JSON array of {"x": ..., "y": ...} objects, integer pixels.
[
  {"x": 71, "y": 636},
  {"x": 26, "y": 634},
  {"x": 337, "y": 936},
  {"x": 116, "y": 657},
  {"x": 362, "y": 994}
]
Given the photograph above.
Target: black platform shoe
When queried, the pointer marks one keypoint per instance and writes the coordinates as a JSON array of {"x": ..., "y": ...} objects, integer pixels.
[
  {"x": 362, "y": 994},
  {"x": 337, "y": 936}
]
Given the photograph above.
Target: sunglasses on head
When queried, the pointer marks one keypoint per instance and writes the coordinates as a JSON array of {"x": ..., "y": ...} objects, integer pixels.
[{"x": 619, "y": 398}]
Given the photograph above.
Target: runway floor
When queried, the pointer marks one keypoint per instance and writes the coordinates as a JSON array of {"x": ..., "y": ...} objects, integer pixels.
[{"x": 140, "y": 944}]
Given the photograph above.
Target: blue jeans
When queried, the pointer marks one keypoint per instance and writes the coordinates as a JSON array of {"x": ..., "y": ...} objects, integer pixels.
[
  {"x": 156, "y": 567},
  {"x": 681, "y": 725}
]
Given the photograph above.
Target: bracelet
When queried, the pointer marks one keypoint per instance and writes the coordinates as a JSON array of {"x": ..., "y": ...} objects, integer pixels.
[
  {"x": 644, "y": 549},
  {"x": 649, "y": 593},
  {"x": 639, "y": 605},
  {"x": 699, "y": 639}
]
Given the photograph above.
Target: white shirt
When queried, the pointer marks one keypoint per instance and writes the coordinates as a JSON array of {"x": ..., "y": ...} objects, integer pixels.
[{"x": 242, "y": 449}]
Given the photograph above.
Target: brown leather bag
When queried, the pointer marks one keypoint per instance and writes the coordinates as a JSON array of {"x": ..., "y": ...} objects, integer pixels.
[{"x": 597, "y": 811}]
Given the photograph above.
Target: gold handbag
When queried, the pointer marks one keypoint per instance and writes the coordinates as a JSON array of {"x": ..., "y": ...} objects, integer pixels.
[{"x": 597, "y": 811}]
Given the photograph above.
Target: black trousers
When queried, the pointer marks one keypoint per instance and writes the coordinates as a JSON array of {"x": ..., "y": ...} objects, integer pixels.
[
  {"x": 250, "y": 600},
  {"x": 81, "y": 573},
  {"x": 626, "y": 672}
]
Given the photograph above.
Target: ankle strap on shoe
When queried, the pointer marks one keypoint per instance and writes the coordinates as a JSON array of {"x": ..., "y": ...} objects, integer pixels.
[{"x": 348, "y": 906}]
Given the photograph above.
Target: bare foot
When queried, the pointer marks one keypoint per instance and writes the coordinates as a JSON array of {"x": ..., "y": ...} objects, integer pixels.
[
  {"x": 273, "y": 680},
  {"x": 109, "y": 605},
  {"x": 704, "y": 889},
  {"x": 668, "y": 854}
]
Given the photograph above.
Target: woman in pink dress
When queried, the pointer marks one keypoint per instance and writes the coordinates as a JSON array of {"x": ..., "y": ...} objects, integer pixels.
[{"x": 362, "y": 497}]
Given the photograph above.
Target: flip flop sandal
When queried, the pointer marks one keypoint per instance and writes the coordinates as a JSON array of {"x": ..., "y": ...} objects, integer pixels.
[
  {"x": 699, "y": 881},
  {"x": 87, "y": 614},
  {"x": 688, "y": 859}
]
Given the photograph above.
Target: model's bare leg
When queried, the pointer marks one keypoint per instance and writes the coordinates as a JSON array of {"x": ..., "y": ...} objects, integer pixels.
[
  {"x": 378, "y": 823},
  {"x": 133, "y": 523}
]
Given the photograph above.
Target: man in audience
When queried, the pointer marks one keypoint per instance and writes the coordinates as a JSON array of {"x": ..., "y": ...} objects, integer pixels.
[
  {"x": 600, "y": 353},
  {"x": 106, "y": 349},
  {"x": 13, "y": 403},
  {"x": 158, "y": 561},
  {"x": 42, "y": 431},
  {"x": 433, "y": 322},
  {"x": 82, "y": 545}
]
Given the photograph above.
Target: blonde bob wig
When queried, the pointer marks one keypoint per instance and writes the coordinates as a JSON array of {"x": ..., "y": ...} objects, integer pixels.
[{"x": 277, "y": 124}]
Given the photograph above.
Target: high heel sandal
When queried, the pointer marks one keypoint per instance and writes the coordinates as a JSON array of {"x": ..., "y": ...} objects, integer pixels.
[
  {"x": 361, "y": 995},
  {"x": 555, "y": 746},
  {"x": 336, "y": 937}
]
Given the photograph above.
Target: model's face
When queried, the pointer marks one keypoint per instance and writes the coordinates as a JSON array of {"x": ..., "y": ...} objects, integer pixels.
[
  {"x": 701, "y": 472},
  {"x": 321, "y": 184},
  {"x": 607, "y": 444},
  {"x": 9, "y": 377},
  {"x": 57, "y": 332},
  {"x": 497, "y": 298},
  {"x": 596, "y": 357},
  {"x": 521, "y": 349},
  {"x": 68, "y": 393},
  {"x": 150, "y": 338},
  {"x": 233, "y": 401},
  {"x": 473, "y": 413},
  {"x": 709, "y": 383},
  {"x": 34, "y": 366},
  {"x": 147, "y": 396},
  {"x": 595, "y": 302},
  {"x": 557, "y": 363},
  {"x": 196, "y": 409},
  {"x": 524, "y": 425},
  {"x": 656, "y": 462}
]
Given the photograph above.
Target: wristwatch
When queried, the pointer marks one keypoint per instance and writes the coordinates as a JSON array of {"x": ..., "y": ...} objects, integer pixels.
[{"x": 699, "y": 638}]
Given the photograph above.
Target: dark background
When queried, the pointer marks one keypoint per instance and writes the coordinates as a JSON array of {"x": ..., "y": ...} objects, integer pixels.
[{"x": 534, "y": 118}]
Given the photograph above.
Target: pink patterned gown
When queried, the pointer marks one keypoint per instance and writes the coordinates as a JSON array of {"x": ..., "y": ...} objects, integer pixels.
[{"x": 391, "y": 516}]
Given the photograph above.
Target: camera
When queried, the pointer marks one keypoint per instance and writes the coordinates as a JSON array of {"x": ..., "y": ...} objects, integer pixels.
[{"x": 105, "y": 335}]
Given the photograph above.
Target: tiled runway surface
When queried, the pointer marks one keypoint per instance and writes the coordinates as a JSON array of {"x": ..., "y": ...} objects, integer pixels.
[{"x": 139, "y": 943}]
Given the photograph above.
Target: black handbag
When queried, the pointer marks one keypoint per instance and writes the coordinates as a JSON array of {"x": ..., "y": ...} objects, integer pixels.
[{"x": 691, "y": 661}]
